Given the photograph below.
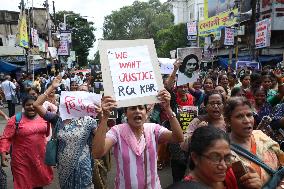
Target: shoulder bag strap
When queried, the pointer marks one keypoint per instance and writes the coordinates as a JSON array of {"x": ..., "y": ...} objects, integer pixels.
[
  {"x": 18, "y": 119},
  {"x": 250, "y": 156}
]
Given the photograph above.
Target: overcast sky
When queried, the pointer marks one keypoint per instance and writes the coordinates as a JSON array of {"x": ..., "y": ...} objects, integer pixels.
[{"x": 96, "y": 10}]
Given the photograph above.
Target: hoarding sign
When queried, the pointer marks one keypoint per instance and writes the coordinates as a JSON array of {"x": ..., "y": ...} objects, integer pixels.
[
  {"x": 229, "y": 36},
  {"x": 263, "y": 33},
  {"x": 192, "y": 28},
  {"x": 213, "y": 24}
]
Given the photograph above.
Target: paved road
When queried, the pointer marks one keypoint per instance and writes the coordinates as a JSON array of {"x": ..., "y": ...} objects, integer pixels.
[{"x": 165, "y": 174}]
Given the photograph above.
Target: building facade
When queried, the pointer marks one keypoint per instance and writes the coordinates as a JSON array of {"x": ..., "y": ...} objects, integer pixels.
[{"x": 187, "y": 10}]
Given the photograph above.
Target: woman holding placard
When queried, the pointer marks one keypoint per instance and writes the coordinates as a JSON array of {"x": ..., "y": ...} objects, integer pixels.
[
  {"x": 74, "y": 137},
  {"x": 135, "y": 142}
]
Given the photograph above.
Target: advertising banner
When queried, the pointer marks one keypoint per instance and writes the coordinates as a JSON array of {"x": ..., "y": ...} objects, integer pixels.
[
  {"x": 66, "y": 36},
  {"x": 213, "y": 24},
  {"x": 63, "y": 48},
  {"x": 229, "y": 36},
  {"x": 263, "y": 33},
  {"x": 192, "y": 28}
]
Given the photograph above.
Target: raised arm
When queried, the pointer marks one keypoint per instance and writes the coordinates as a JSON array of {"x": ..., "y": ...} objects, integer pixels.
[
  {"x": 4, "y": 115},
  {"x": 101, "y": 144},
  {"x": 175, "y": 135},
  {"x": 42, "y": 98},
  {"x": 171, "y": 79}
]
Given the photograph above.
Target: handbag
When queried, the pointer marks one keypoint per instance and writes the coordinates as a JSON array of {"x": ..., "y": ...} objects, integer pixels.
[
  {"x": 51, "y": 147},
  {"x": 276, "y": 176}
]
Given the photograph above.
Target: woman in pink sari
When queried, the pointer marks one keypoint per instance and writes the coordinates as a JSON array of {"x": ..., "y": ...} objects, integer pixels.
[{"x": 135, "y": 143}]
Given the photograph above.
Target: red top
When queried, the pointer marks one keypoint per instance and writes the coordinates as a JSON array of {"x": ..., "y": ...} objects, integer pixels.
[
  {"x": 188, "y": 102},
  {"x": 230, "y": 179}
]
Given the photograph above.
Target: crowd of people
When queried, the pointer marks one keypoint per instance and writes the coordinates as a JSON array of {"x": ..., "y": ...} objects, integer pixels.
[{"x": 238, "y": 114}]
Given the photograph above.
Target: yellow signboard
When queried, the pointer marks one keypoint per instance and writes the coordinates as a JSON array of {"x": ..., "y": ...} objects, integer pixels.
[{"x": 213, "y": 24}]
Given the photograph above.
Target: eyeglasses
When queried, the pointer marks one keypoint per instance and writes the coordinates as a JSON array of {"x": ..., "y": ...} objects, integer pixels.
[
  {"x": 216, "y": 158},
  {"x": 212, "y": 104}
]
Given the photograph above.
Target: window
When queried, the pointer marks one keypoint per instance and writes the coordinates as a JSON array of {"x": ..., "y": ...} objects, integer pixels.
[{"x": 1, "y": 42}]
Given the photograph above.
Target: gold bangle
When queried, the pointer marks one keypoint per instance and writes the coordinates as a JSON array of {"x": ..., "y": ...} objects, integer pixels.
[{"x": 45, "y": 94}]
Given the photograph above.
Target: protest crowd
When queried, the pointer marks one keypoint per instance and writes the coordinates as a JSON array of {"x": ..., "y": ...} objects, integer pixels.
[{"x": 225, "y": 130}]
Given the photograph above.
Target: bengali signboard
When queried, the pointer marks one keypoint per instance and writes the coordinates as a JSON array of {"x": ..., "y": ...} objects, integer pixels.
[
  {"x": 131, "y": 71},
  {"x": 192, "y": 28},
  {"x": 229, "y": 36},
  {"x": 185, "y": 115},
  {"x": 263, "y": 33},
  {"x": 213, "y": 24},
  {"x": 63, "y": 48}
]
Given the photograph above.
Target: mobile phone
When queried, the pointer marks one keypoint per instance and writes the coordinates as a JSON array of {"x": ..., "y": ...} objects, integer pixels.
[{"x": 239, "y": 170}]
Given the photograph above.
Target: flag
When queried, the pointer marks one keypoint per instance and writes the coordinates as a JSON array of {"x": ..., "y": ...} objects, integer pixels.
[{"x": 22, "y": 35}]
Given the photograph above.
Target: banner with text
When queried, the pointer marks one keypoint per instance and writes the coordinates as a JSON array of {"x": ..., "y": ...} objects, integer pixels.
[
  {"x": 192, "y": 28},
  {"x": 263, "y": 33},
  {"x": 185, "y": 115},
  {"x": 63, "y": 48},
  {"x": 132, "y": 69},
  {"x": 229, "y": 36},
  {"x": 213, "y": 24},
  {"x": 75, "y": 104}
]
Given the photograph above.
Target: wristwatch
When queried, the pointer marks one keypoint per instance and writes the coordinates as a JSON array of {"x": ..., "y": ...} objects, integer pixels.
[{"x": 171, "y": 115}]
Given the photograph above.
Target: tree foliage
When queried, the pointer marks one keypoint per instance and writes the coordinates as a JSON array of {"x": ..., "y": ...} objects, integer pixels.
[
  {"x": 138, "y": 21},
  {"x": 83, "y": 36},
  {"x": 171, "y": 38}
]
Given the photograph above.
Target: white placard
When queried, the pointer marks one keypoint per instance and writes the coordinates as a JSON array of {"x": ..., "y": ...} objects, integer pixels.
[
  {"x": 229, "y": 36},
  {"x": 262, "y": 33},
  {"x": 167, "y": 65},
  {"x": 130, "y": 70},
  {"x": 63, "y": 48},
  {"x": 192, "y": 28},
  {"x": 75, "y": 104}
]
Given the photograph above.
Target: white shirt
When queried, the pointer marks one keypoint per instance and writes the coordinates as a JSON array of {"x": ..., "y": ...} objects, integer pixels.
[
  {"x": 66, "y": 83},
  {"x": 8, "y": 88}
]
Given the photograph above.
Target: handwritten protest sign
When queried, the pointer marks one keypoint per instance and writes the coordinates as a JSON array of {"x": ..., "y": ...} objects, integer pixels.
[
  {"x": 186, "y": 115},
  {"x": 131, "y": 68},
  {"x": 75, "y": 104}
]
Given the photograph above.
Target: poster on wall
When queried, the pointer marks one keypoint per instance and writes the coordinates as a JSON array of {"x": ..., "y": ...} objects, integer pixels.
[
  {"x": 63, "y": 48},
  {"x": 131, "y": 71},
  {"x": 263, "y": 33},
  {"x": 191, "y": 28},
  {"x": 229, "y": 36}
]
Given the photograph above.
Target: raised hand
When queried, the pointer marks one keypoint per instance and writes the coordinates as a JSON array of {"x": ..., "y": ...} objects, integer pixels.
[
  {"x": 107, "y": 105},
  {"x": 56, "y": 82},
  {"x": 251, "y": 180},
  {"x": 165, "y": 97},
  {"x": 177, "y": 64}
]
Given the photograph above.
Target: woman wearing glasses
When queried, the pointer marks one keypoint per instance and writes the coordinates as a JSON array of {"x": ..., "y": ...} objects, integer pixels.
[
  {"x": 214, "y": 103},
  {"x": 239, "y": 117},
  {"x": 210, "y": 162}
]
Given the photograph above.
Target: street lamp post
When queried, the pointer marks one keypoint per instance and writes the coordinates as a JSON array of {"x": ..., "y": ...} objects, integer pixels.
[{"x": 64, "y": 19}]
